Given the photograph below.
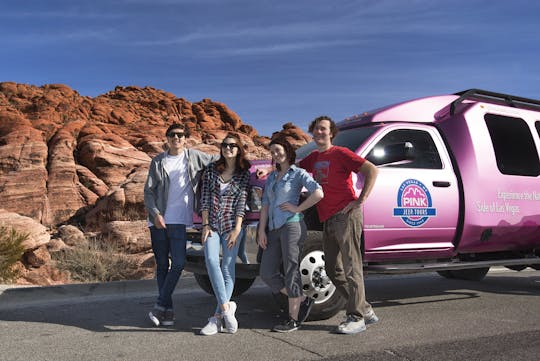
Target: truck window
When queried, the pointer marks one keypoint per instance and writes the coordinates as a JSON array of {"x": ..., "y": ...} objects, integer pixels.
[
  {"x": 425, "y": 154},
  {"x": 349, "y": 138},
  {"x": 513, "y": 145}
]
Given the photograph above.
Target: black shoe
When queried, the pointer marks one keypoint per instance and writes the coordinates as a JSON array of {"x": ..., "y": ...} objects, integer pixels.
[
  {"x": 287, "y": 326},
  {"x": 305, "y": 309}
]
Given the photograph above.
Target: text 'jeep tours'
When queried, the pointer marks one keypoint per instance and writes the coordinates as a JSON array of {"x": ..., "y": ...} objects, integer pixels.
[{"x": 458, "y": 191}]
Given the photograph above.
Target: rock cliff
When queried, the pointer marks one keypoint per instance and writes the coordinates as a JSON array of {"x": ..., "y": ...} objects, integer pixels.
[{"x": 72, "y": 159}]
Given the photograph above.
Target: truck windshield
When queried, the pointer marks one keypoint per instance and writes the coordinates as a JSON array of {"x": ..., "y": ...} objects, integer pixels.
[{"x": 349, "y": 138}]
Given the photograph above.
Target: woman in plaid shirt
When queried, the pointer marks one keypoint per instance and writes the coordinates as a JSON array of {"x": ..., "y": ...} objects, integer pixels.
[{"x": 223, "y": 203}]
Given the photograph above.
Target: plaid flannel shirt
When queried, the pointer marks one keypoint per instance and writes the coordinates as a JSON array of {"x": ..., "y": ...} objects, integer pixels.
[{"x": 223, "y": 209}]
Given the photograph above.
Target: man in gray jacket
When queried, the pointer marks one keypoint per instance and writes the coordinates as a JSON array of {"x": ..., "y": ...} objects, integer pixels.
[{"x": 170, "y": 198}]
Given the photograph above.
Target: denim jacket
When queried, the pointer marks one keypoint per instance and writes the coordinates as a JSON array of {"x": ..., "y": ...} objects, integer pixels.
[{"x": 287, "y": 189}]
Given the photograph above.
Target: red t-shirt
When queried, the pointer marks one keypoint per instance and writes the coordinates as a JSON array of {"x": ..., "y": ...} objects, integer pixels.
[{"x": 332, "y": 169}]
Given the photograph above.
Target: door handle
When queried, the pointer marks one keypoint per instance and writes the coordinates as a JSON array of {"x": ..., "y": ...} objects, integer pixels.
[{"x": 443, "y": 184}]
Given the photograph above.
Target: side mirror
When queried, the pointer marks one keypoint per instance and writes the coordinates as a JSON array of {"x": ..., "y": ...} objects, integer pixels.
[{"x": 392, "y": 153}]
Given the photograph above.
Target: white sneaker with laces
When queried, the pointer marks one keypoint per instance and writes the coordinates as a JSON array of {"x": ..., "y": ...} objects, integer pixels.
[
  {"x": 370, "y": 318},
  {"x": 212, "y": 327},
  {"x": 351, "y": 325},
  {"x": 231, "y": 324}
]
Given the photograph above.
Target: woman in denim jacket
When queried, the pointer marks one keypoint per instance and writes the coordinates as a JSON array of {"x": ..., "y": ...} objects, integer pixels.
[
  {"x": 281, "y": 216},
  {"x": 223, "y": 203}
]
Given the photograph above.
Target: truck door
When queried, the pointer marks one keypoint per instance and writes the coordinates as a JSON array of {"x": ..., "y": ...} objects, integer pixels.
[{"x": 412, "y": 211}]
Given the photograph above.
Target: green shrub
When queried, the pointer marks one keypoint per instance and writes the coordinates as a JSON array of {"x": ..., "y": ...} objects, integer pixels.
[
  {"x": 95, "y": 261},
  {"x": 11, "y": 251}
]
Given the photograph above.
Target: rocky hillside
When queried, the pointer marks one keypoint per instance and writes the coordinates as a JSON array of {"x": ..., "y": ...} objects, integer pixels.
[{"x": 72, "y": 159}]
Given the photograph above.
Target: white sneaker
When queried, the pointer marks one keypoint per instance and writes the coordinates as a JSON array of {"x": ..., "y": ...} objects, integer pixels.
[
  {"x": 231, "y": 324},
  {"x": 370, "y": 318},
  {"x": 212, "y": 327},
  {"x": 351, "y": 325}
]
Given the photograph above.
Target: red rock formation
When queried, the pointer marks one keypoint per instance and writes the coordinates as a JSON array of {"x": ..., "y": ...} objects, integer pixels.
[
  {"x": 71, "y": 158},
  {"x": 293, "y": 134}
]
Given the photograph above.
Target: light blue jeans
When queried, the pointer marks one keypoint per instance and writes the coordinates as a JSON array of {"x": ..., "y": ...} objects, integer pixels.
[{"x": 222, "y": 278}]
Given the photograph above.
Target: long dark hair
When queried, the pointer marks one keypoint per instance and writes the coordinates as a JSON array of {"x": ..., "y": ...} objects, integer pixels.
[
  {"x": 289, "y": 150},
  {"x": 241, "y": 163}
]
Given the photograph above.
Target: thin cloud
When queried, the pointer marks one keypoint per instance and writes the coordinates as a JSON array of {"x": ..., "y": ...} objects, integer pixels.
[
  {"x": 61, "y": 14},
  {"x": 59, "y": 37},
  {"x": 281, "y": 48}
]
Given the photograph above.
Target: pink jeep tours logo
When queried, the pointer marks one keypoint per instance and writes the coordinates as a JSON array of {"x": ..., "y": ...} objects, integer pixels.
[{"x": 414, "y": 205}]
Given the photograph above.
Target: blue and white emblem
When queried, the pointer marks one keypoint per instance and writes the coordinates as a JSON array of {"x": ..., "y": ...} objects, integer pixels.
[{"x": 414, "y": 204}]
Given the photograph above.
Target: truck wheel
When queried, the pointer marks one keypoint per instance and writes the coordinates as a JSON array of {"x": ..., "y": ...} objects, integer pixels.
[
  {"x": 519, "y": 267},
  {"x": 241, "y": 285},
  {"x": 315, "y": 282},
  {"x": 471, "y": 274},
  {"x": 446, "y": 274}
]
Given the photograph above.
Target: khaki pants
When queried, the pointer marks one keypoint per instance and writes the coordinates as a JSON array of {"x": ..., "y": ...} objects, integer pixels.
[{"x": 343, "y": 259}]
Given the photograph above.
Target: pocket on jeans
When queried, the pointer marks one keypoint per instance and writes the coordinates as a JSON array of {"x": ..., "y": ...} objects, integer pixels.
[{"x": 157, "y": 234}]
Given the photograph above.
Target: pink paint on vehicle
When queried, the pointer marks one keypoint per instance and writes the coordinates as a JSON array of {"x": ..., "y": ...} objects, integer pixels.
[{"x": 458, "y": 190}]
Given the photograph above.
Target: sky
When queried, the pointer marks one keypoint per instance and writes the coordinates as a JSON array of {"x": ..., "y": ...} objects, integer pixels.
[{"x": 274, "y": 62}]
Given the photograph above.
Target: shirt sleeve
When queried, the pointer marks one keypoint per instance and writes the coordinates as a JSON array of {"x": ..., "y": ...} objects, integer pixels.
[
  {"x": 308, "y": 182},
  {"x": 149, "y": 190},
  {"x": 352, "y": 160},
  {"x": 244, "y": 186},
  {"x": 206, "y": 187},
  {"x": 265, "y": 197}
]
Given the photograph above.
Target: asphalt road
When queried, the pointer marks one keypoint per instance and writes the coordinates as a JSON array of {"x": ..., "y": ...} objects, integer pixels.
[{"x": 423, "y": 317}]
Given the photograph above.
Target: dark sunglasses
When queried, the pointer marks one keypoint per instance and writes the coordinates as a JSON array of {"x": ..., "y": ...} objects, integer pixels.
[
  {"x": 176, "y": 135},
  {"x": 229, "y": 145}
]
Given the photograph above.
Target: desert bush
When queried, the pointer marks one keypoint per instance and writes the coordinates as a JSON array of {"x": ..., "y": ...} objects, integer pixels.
[
  {"x": 11, "y": 251},
  {"x": 95, "y": 261}
]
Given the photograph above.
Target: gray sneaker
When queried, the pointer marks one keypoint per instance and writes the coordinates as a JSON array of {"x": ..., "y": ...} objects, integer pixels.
[
  {"x": 212, "y": 327},
  {"x": 231, "y": 324},
  {"x": 370, "y": 318},
  {"x": 351, "y": 325},
  {"x": 168, "y": 317},
  {"x": 157, "y": 315}
]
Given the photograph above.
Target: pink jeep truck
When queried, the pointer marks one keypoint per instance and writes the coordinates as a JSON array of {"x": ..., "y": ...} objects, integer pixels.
[{"x": 458, "y": 192}]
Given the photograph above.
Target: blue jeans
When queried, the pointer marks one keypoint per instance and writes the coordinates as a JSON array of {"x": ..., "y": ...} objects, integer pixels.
[
  {"x": 222, "y": 278},
  {"x": 169, "y": 241}
]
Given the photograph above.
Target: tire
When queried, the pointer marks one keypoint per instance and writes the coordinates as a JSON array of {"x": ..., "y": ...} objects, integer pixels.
[
  {"x": 519, "y": 267},
  {"x": 446, "y": 274},
  {"x": 241, "y": 285},
  {"x": 315, "y": 282},
  {"x": 471, "y": 274}
]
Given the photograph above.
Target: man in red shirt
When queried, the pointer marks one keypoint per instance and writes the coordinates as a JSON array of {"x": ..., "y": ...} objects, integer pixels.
[{"x": 341, "y": 213}]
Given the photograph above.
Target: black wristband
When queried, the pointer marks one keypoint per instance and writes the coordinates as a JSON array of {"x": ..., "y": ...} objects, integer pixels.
[{"x": 206, "y": 224}]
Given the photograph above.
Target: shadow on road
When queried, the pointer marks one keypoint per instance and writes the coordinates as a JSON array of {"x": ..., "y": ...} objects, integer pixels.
[
  {"x": 256, "y": 309},
  {"x": 385, "y": 291}
]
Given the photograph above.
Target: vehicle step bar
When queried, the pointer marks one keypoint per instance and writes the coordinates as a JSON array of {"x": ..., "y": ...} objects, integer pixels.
[{"x": 434, "y": 267}]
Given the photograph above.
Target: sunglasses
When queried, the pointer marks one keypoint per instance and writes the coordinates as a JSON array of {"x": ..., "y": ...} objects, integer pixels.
[
  {"x": 229, "y": 145},
  {"x": 176, "y": 135}
]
